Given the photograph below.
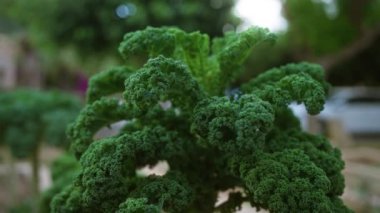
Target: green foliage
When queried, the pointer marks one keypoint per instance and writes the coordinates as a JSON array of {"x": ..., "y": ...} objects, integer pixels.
[
  {"x": 343, "y": 35},
  {"x": 215, "y": 66},
  {"x": 174, "y": 110},
  {"x": 29, "y": 117},
  {"x": 312, "y": 27},
  {"x": 324, "y": 28},
  {"x": 98, "y": 26},
  {"x": 372, "y": 13},
  {"x": 303, "y": 83},
  {"x": 63, "y": 170},
  {"x": 107, "y": 83},
  {"x": 23, "y": 207}
]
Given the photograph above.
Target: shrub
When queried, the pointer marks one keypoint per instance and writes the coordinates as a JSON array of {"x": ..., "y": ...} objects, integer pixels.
[{"x": 28, "y": 118}]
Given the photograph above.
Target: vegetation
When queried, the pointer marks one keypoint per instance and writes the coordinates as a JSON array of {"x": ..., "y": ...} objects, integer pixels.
[
  {"x": 178, "y": 107},
  {"x": 94, "y": 27},
  {"x": 28, "y": 118},
  {"x": 63, "y": 170},
  {"x": 81, "y": 36},
  {"x": 340, "y": 23},
  {"x": 343, "y": 36}
]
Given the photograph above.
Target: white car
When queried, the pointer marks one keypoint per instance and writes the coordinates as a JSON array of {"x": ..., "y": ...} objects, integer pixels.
[{"x": 358, "y": 108}]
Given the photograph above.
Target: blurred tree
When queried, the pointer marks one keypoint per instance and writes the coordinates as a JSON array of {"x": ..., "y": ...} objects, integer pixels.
[
  {"x": 342, "y": 35},
  {"x": 97, "y": 26},
  {"x": 28, "y": 118},
  {"x": 318, "y": 27},
  {"x": 336, "y": 33},
  {"x": 81, "y": 36}
]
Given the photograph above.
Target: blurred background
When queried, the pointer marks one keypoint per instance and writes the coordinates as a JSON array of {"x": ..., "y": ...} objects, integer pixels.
[{"x": 50, "y": 48}]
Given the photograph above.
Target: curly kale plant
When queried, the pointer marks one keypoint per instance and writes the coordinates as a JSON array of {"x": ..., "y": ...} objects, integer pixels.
[
  {"x": 174, "y": 109},
  {"x": 63, "y": 171},
  {"x": 28, "y": 118}
]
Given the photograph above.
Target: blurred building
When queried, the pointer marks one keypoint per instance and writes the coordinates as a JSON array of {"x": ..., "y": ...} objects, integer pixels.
[
  {"x": 20, "y": 65},
  {"x": 8, "y": 67},
  {"x": 29, "y": 69}
]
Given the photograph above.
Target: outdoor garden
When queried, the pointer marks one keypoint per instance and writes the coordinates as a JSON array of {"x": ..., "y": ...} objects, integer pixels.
[{"x": 201, "y": 106}]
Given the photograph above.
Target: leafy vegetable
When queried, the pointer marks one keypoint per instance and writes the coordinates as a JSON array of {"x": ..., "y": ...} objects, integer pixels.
[
  {"x": 175, "y": 110},
  {"x": 63, "y": 170}
]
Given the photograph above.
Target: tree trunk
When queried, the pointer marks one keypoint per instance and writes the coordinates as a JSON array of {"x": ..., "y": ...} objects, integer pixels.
[{"x": 35, "y": 177}]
